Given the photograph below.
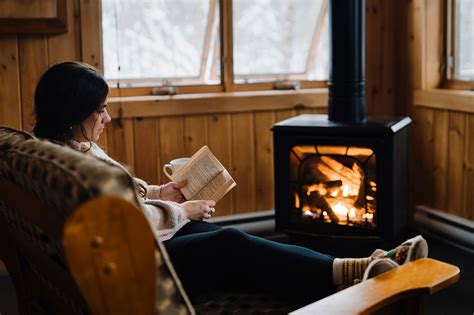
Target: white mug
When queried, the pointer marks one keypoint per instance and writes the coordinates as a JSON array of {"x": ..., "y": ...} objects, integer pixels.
[{"x": 174, "y": 165}]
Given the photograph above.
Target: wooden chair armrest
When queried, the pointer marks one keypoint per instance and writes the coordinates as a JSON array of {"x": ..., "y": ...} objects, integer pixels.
[
  {"x": 110, "y": 252},
  {"x": 420, "y": 277}
]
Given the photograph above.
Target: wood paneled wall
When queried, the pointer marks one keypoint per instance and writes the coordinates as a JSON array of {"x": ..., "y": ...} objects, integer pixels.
[
  {"x": 443, "y": 151},
  {"x": 442, "y": 168},
  {"x": 241, "y": 140},
  {"x": 23, "y": 58}
]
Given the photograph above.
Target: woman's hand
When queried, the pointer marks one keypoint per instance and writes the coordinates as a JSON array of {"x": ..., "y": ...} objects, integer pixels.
[
  {"x": 199, "y": 209},
  {"x": 172, "y": 192}
]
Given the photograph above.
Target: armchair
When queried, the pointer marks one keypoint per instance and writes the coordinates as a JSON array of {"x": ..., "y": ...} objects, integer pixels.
[{"x": 75, "y": 242}]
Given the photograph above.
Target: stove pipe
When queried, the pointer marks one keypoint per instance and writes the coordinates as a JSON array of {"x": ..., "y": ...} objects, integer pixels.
[{"x": 347, "y": 67}]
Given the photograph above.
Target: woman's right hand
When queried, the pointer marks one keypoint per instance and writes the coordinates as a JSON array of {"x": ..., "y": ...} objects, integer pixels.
[{"x": 199, "y": 209}]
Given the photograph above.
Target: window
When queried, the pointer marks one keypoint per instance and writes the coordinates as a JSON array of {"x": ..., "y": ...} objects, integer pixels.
[
  {"x": 279, "y": 40},
  {"x": 159, "y": 41},
  {"x": 460, "y": 44},
  {"x": 212, "y": 45}
]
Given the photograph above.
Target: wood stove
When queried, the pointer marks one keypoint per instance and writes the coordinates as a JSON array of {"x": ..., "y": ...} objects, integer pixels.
[
  {"x": 345, "y": 183},
  {"x": 341, "y": 180}
]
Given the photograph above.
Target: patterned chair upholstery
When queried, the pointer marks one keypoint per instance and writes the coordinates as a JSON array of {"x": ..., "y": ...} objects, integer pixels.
[
  {"x": 63, "y": 179},
  {"x": 60, "y": 179}
]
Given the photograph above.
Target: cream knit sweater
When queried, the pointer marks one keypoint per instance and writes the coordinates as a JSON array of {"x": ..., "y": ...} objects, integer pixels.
[{"x": 165, "y": 217}]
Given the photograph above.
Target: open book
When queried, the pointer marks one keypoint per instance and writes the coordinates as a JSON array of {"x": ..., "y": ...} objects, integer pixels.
[{"x": 207, "y": 177}]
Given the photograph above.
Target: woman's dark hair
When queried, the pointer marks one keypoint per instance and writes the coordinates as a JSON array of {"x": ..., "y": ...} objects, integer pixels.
[{"x": 66, "y": 95}]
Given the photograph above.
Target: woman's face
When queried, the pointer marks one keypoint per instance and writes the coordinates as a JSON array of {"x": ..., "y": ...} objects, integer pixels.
[{"x": 93, "y": 126}]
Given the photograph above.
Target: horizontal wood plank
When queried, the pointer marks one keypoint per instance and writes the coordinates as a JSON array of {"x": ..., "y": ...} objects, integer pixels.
[
  {"x": 210, "y": 103},
  {"x": 452, "y": 100}
]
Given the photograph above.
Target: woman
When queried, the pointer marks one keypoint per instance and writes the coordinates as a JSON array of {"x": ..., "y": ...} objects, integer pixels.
[{"x": 71, "y": 108}]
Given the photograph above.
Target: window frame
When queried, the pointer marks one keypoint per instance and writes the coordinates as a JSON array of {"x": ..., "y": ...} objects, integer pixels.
[
  {"x": 449, "y": 81},
  {"x": 227, "y": 77}
]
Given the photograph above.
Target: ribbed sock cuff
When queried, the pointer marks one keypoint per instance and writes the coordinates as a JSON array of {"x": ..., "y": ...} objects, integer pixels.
[
  {"x": 346, "y": 270},
  {"x": 337, "y": 271}
]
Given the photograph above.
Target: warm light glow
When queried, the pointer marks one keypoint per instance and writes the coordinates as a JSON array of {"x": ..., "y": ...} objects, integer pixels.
[
  {"x": 338, "y": 189},
  {"x": 368, "y": 216},
  {"x": 317, "y": 187},
  {"x": 340, "y": 209},
  {"x": 297, "y": 200},
  {"x": 345, "y": 190}
]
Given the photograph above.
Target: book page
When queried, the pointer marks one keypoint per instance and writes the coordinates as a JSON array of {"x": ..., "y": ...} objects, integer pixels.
[
  {"x": 205, "y": 176},
  {"x": 217, "y": 188}
]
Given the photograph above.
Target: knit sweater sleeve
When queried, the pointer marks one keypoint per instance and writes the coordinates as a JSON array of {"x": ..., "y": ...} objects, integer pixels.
[
  {"x": 165, "y": 217},
  {"x": 153, "y": 191}
]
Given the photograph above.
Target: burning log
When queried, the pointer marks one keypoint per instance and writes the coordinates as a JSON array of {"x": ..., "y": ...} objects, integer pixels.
[
  {"x": 322, "y": 188},
  {"x": 353, "y": 177},
  {"x": 360, "y": 199},
  {"x": 314, "y": 198},
  {"x": 335, "y": 170}
]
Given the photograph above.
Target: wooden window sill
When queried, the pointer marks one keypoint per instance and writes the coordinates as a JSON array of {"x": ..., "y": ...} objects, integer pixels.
[
  {"x": 454, "y": 100},
  {"x": 206, "y": 103}
]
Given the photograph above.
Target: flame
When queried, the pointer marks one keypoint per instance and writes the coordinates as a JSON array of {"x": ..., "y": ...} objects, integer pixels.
[
  {"x": 368, "y": 216},
  {"x": 339, "y": 189},
  {"x": 297, "y": 200},
  {"x": 345, "y": 190},
  {"x": 340, "y": 209}
]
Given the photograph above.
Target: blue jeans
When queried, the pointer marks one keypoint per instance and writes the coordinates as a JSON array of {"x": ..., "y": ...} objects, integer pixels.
[{"x": 208, "y": 258}]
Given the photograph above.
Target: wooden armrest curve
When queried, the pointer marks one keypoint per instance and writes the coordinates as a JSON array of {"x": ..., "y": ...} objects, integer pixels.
[
  {"x": 110, "y": 252},
  {"x": 423, "y": 276}
]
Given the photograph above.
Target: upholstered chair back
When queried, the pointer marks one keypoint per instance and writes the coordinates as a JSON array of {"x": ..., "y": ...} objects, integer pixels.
[{"x": 41, "y": 183}]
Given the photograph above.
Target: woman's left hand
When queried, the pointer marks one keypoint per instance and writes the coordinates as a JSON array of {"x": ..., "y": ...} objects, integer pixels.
[{"x": 172, "y": 192}]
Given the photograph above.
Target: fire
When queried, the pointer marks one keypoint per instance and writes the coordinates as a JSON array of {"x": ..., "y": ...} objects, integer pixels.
[
  {"x": 368, "y": 216},
  {"x": 340, "y": 192},
  {"x": 340, "y": 209},
  {"x": 343, "y": 211},
  {"x": 345, "y": 190}
]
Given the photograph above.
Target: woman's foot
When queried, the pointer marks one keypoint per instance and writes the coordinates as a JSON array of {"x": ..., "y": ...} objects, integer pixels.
[
  {"x": 379, "y": 266},
  {"x": 412, "y": 249},
  {"x": 348, "y": 271}
]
